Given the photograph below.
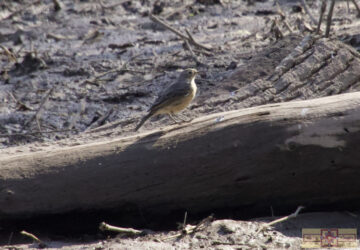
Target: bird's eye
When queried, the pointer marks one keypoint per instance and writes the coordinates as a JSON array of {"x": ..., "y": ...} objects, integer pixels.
[{"x": 189, "y": 72}]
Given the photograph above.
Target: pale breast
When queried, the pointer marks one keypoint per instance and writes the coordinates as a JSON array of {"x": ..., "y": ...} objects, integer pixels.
[{"x": 182, "y": 103}]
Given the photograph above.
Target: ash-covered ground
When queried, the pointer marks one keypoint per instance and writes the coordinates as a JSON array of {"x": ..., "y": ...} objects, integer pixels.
[
  {"x": 70, "y": 68},
  {"x": 73, "y": 72}
]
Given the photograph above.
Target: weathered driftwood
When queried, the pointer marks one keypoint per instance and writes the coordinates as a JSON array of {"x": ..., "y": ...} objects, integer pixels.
[
  {"x": 292, "y": 69},
  {"x": 288, "y": 154}
]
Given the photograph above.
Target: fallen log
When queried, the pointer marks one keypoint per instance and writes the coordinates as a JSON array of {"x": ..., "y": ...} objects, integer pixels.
[{"x": 288, "y": 154}]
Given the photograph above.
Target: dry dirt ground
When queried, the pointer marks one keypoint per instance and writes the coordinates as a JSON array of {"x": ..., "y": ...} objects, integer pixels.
[
  {"x": 84, "y": 70},
  {"x": 218, "y": 234},
  {"x": 90, "y": 70}
]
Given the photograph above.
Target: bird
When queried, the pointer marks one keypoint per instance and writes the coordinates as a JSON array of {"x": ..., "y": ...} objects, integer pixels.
[{"x": 174, "y": 98}]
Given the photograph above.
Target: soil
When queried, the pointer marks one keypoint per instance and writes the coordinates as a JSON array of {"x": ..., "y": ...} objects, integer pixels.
[
  {"x": 216, "y": 234},
  {"x": 86, "y": 71}
]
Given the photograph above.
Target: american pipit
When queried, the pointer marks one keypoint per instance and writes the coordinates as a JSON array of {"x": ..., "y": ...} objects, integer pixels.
[{"x": 174, "y": 98}]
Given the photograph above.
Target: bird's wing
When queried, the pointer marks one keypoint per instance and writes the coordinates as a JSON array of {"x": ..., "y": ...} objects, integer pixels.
[{"x": 169, "y": 95}]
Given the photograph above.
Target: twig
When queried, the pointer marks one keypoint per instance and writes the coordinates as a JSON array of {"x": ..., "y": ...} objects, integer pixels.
[
  {"x": 34, "y": 238},
  {"x": 10, "y": 238},
  {"x": 106, "y": 227},
  {"x": 132, "y": 71},
  {"x": 190, "y": 229},
  {"x": 351, "y": 214},
  {"x": 329, "y": 17},
  {"x": 293, "y": 215},
  {"x": 19, "y": 103},
  {"x": 192, "y": 40},
  {"x": 101, "y": 120},
  {"x": 181, "y": 226},
  {"x": 20, "y": 50},
  {"x": 274, "y": 28},
  {"x": 39, "y": 132},
  {"x": 9, "y": 54},
  {"x": 80, "y": 111},
  {"x": 203, "y": 223},
  {"x": 117, "y": 70},
  {"x": 185, "y": 218},
  {"x": 178, "y": 10},
  {"x": 43, "y": 101},
  {"x": 321, "y": 14},
  {"x": 110, "y": 6},
  {"x": 38, "y": 123},
  {"x": 167, "y": 26},
  {"x": 307, "y": 10},
  {"x": 30, "y": 235},
  {"x": 283, "y": 17},
  {"x": 21, "y": 10},
  {"x": 58, "y": 37},
  {"x": 203, "y": 52},
  {"x": 93, "y": 37},
  {"x": 194, "y": 57},
  {"x": 112, "y": 125},
  {"x": 357, "y": 7},
  {"x": 57, "y": 5}
]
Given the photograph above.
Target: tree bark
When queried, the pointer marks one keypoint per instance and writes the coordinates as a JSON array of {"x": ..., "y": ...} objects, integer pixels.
[{"x": 288, "y": 154}]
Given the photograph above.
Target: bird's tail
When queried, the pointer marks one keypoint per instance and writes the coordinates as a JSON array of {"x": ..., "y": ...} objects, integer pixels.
[{"x": 143, "y": 120}]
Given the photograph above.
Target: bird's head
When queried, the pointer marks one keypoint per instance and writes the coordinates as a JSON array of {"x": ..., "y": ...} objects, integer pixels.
[{"x": 188, "y": 74}]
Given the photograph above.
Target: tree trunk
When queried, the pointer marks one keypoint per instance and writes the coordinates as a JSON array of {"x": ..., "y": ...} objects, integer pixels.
[{"x": 292, "y": 153}]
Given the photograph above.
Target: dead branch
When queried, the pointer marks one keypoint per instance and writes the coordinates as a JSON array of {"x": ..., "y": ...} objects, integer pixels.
[
  {"x": 321, "y": 14},
  {"x": 57, "y": 5},
  {"x": 101, "y": 120},
  {"x": 58, "y": 37},
  {"x": 34, "y": 238},
  {"x": 9, "y": 54},
  {"x": 39, "y": 132},
  {"x": 274, "y": 29},
  {"x": 286, "y": 130},
  {"x": 307, "y": 10},
  {"x": 43, "y": 101},
  {"x": 80, "y": 111},
  {"x": 30, "y": 235},
  {"x": 10, "y": 238},
  {"x": 293, "y": 215},
  {"x": 299, "y": 50},
  {"x": 103, "y": 6},
  {"x": 190, "y": 229},
  {"x": 106, "y": 227},
  {"x": 329, "y": 17},
  {"x": 167, "y": 26},
  {"x": 180, "y": 9},
  {"x": 92, "y": 37},
  {"x": 117, "y": 70},
  {"x": 283, "y": 17},
  {"x": 20, "y": 105},
  {"x": 194, "y": 57},
  {"x": 21, "y": 10},
  {"x": 113, "y": 125},
  {"x": 357, "y": 7}
]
